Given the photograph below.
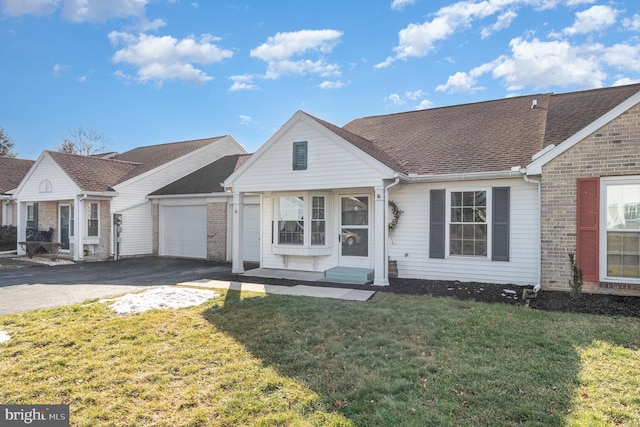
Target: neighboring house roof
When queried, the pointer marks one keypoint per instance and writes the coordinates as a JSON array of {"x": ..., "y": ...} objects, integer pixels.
[
  {"x": 13, "y": 171},
  {"x": 93, "y": 173},
  {"x": 100, "y": 174},
  {"x": 206, "y": 179},
  {"x": 152, "y": 156},
  {"x": 486, "y": 136}
]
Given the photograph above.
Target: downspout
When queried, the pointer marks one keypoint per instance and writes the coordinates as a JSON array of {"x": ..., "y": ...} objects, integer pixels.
[
  {"x": 528, "y": 180},
  {"x": 386, "y": 227}
]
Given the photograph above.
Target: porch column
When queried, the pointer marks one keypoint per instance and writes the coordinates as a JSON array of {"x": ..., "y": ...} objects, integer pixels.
[
  {"x": 78, "y": 221},
  {"x": 21, "y": 223},
  {"x": 381, "y": 264},
  {"x": 237, "y": 209}
]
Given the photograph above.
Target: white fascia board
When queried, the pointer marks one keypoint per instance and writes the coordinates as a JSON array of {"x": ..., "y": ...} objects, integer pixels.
[
  {"x": 190, "y": 196},
  {"x": 228, "y": 183},
  {"x": 300, "y": 116},
  {"x": 471, "y": 176},
  {"x": 179, "y": 159},
  {"x": 73, "y": 189},
  {"x": 99, "y": 194},
  {"x": 535, "y": 167}
]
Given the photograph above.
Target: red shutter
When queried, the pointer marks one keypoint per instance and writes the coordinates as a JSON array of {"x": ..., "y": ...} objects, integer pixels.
[{"x": 588, "y": 219}]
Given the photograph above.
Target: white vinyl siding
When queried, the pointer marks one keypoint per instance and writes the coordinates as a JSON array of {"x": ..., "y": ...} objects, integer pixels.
[
  {"x": 409, "y": 241},
  {"x": 329, "y": 165},
  {"x": 136, "y": 236}
]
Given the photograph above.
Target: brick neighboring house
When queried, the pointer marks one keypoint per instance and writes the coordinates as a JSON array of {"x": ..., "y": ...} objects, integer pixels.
[
  {"x": 498, "y": 191},
  {"x": 12, "y": 171},
  {"x": 97, "y": 207}
]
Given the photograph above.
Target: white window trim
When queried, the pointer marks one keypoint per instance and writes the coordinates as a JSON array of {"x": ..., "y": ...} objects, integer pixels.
[
  {"x": 602, "y": 246},
  {"x": 306, "y": 248},
  {"x": 91, "y": 239},
  {"x": 489, "y": 193}
]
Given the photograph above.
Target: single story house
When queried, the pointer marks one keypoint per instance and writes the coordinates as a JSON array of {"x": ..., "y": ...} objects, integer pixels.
[
  {"x": 12, "y": 171},
  {"x": 498, "y": 192},
  {"x": 97, "y": 206},
  {"x": 192, "y": 216}
]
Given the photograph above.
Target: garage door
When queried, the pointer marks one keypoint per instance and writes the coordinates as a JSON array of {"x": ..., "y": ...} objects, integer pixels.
[
  {"x": 183, "y": 231},
  {"x": 251, "y": 233}
]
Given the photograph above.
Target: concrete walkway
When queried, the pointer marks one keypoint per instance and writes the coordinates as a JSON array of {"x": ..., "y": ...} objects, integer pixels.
[{"x": 298, "y": 290}]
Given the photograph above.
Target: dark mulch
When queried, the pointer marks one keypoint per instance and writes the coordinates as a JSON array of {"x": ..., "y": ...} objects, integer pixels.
[{"x": 611, "y": 305}]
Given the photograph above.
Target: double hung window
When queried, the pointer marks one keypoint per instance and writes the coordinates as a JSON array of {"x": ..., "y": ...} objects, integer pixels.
[
  {"x": 293, "y": 227},
  {"x": 93, "y": 220},
  {"x": 622, "y": 229},
  {"x": 468, "y": 223}
]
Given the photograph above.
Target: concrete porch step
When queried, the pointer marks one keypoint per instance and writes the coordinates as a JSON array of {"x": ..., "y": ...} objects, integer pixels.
[{"x": 349, "y": 275}]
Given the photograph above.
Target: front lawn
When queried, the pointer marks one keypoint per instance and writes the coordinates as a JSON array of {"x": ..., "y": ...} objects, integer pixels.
[{"x": 248, "y": 359}]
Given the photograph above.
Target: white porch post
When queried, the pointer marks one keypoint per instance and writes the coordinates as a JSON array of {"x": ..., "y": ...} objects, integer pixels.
[
  {"x": 21, "y": 223},
  {"x": 79, "y": 219},
  {"x": 381, "y": 265},
  {"x": 237, "y": 265}
]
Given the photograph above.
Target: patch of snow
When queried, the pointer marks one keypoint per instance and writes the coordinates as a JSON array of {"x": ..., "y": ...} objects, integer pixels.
[
  {"x": 162, "y": 297},
  {"x": 4, "y": 337}
]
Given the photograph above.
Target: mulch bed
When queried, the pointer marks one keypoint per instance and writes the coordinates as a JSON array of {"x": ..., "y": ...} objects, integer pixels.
[{"x": 610, "y": 305}]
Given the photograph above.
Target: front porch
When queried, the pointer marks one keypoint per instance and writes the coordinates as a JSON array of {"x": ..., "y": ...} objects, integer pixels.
[{"x": 346, "y": 275}]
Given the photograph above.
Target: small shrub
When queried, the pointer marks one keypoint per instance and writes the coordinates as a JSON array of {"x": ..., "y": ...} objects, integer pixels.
[
  {"x": 8, "y": 238},
  {"x": 576, "y": 277}
]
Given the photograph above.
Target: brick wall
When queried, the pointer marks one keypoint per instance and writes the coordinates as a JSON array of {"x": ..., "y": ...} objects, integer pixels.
[
  {"x": 48, "y": 218},
  {"x": 155, "y": 217},
  {"x": 217, "y": 231},
  {"x": 613, "y": 150}
]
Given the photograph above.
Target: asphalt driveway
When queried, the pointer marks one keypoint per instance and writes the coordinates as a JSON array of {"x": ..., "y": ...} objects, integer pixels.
[{"x": 26, "y": 286}]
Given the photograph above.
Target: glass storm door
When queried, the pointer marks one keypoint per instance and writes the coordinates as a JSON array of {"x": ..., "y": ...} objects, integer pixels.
[
  {"x": 64, "y": 225},
  {"x": 354, "y": 230}
]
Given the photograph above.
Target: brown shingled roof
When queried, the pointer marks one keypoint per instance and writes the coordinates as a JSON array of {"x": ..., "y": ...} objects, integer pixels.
[
  {"x": 93, "y": 173},
  {"x": 152, "y": 156},
  {"x": 486, "y": 136},
  {"x": 12, "y": 171},
  {"x": 206, "y": 179}
]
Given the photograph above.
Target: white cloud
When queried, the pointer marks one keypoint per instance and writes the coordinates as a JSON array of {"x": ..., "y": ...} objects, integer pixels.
[
  {"x": 400, "y": 4},
  {"x": 329, "y": 84},
  {"x": 77, "y": 10},
  {"x": 633, "y": 23},
  {"x": 245, "y": 120},
  {"x": 417, "y": 40},
  {"x": 462, "y": 82},
  {"x": 424, "y": 104},
  {"x": 29, "y": 7},
  {"x": 242, "y": 82},
  {"x": 82, "y": 79},
  {"x": 556, "y": 63},
  {"x": 623, "y": 57},
  {"x": 504, "y": 21},
  {"x": 167, "y": 58},
  {"x": 395, "y": 99},
  {"x": 414, "y": 95},
  {"x": 279, "y": 50},
  {"x": 59, "y": 68},
  {"x": 625, "y": 81},
  {"x": 596, "y": 18}
]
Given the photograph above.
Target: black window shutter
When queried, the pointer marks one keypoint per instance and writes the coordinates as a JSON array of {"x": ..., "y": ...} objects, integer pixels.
[
  {"x": 300, "y": 155},
  {"x": 501, "y": 208},
  {"x": 437, "y": 223},
  {"x": 35, "y": 216}
]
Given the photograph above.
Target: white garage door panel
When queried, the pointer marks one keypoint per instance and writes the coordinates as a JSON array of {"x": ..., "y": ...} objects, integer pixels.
[
  {"x": 251, "y": 233},
  {"x": 184, "y": 231}
]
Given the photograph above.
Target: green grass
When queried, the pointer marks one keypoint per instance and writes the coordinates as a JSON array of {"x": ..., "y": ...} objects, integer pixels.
[{"x": 245, "y": 359}]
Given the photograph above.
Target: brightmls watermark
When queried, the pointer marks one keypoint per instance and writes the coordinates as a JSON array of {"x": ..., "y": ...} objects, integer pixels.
[{"x": 34, "y": 415}]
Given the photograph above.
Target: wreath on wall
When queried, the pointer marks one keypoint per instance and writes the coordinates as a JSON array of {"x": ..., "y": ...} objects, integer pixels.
[{"x": 395, "y": 212}]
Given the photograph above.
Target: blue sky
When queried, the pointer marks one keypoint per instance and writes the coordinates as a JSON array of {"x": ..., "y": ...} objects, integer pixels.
[{"x": 153, "y": 71}]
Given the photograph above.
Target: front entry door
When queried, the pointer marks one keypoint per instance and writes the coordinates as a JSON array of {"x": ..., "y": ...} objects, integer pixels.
[
  {"x": 65, "y": 211},
  {"x": 354, "y": 231}
]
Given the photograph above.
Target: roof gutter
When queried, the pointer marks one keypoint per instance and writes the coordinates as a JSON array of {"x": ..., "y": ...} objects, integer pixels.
[
  {"x": 87, "y": 194},
  {"x": 516, "y": 171},
  {"x": 188, "y": 196}
]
